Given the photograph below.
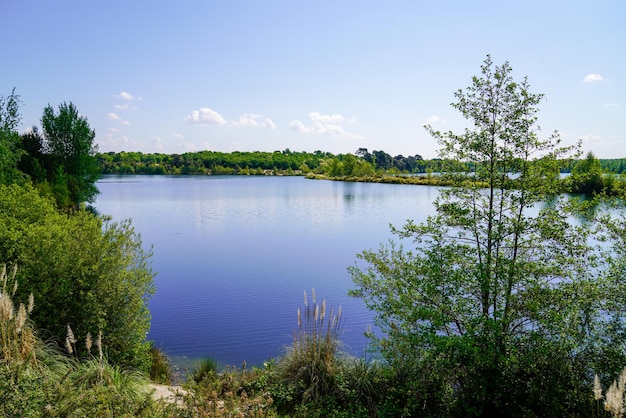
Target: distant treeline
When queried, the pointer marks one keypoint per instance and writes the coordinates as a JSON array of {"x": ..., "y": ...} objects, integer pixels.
[
  {"x": 287, "y": 162},
  {"x": 259, "y": 163}
]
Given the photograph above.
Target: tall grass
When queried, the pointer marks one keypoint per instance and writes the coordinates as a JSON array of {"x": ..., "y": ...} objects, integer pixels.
[
  {"x": 312, "y": 362},
  {"x": 613, "y": 400},
  {"x": 17, "y": 339}
]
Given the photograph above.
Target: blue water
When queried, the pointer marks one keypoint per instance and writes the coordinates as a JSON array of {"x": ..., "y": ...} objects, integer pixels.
[{"x": 233, "y": 255}]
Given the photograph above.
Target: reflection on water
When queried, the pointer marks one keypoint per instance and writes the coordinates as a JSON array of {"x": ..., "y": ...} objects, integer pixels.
[{"x": 234, "y": 254}]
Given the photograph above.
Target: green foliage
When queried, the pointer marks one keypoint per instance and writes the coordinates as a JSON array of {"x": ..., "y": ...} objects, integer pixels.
[
  {"x": 587, "y": 177},
  {"x": 66, "y": 151},
  {"x": 10, "y": 150},
  {"x": 83, "y": 271},
  {"x": 203, "y": 369},
  {"x": 160, "y": 367},
  {"x": 503, "y": 296}
]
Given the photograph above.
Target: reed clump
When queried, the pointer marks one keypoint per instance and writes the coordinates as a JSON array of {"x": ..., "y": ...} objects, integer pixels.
[
  {"x": 613, "y": 400},
  {"x": 313, "y": 361},
  {"x": 17, "y": 338}
]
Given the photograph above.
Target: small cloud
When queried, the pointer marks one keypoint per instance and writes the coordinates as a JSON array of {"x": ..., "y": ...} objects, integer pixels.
[
  {"x": 591, "y": 78},
  {"x": 611, "y": 105},
  {"x": 433, "y": 119},
  {"x": 113, "y": 116},
  {"x": 121, "y": 107},
  {"x": 268, "y": 123},
  {"x": 316, "y": 117},
  {"x": 127, "y": 96},
  {"x": 113, "y": 130},
  {"x": 248, "y": 119},
  {"x": 205, "y": 116},
  {"x": 323, "y": 124},
  {"x": 125, "y": 122},
  {"x": 253, "y": 119},
  {"x": 179, "y": 136}
]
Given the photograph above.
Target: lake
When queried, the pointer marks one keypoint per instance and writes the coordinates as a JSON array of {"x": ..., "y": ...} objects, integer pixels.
[{"x": 234, "y": 254}]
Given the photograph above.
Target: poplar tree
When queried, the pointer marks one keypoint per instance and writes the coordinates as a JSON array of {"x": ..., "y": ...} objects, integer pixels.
[{"x": 503, "y": 303}]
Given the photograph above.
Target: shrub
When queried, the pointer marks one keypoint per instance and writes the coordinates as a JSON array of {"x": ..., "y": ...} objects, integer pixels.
[{"x": 85, "y": 271}]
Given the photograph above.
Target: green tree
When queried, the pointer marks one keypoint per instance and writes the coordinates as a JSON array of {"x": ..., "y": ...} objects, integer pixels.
[
  {"x": 84, "y": 271},
  {"x": 586, "y": 176},
  {"x": 10, "y": 150},
  {"x": 69, "y": 142},
  {"x": 504, "y": 304}
]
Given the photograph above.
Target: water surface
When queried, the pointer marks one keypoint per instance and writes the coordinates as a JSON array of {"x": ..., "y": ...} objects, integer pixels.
[{"x": 234, "y": 254}]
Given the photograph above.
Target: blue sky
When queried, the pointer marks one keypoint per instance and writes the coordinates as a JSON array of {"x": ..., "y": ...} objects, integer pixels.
[{"x": 157, "y": 76}]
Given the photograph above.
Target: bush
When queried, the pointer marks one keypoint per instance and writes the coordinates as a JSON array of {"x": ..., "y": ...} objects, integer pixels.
[{"x": 83, "y": 271}]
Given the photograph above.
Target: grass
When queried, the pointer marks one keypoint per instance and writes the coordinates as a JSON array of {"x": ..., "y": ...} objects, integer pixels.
[
  {"x": 314, "y": 378},
  {"x": 312, "y": 361}
]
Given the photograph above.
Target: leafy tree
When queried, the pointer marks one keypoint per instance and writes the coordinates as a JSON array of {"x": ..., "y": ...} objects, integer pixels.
[
  {"x": 504, "y": 305},
  {"x": 586, "y": 176},
  {"x": 69, "y": 143},
  {"x": 10, "y": 151},
  {"x": 86, "y": 272}
]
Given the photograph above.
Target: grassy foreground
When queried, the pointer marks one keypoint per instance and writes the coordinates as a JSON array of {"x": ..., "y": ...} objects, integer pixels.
[{"x": 314, "y": 378}]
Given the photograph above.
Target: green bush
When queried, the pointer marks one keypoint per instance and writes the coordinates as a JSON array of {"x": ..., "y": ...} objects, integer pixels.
[{"x": 83, "y": 271}]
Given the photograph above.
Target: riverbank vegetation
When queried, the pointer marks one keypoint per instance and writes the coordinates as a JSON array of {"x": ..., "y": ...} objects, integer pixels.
[
  {"x": 587, "y": 176},
  {"x": 509, "y": 301}
]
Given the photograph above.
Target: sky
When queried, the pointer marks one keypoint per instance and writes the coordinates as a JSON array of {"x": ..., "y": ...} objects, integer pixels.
[{"x": 174, "y": 77}]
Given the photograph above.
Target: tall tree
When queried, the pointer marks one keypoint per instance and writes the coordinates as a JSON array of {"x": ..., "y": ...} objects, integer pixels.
[
  {"x": 69, "y": 142},
  {"x": 501, "y": 307},
  {"x": 10, "y": 151}
]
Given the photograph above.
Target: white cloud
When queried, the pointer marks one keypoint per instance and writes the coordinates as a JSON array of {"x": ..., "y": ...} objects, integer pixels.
[
  {"x": 316, "y": 117},
  {"x": 248, "y": 119},
  {"x": 590, "y": 78},
  {"x": 121, "y": 107},
  {"x": 611, "y": 105},
  {"x": 127, "y": 96},
  {"x": 113, "y": 116},
  {"x": 323, "y": 124},
  {"x": 253, "y": 119},
  {"x": 298, "y": 126},
  {"x": 113, "y": 130},
  {"x": 433, "y": 119},
  {"x": 205, "y": 116},
  {"x": 179, "y": 136},
  {"x": 268, "y": 123}
]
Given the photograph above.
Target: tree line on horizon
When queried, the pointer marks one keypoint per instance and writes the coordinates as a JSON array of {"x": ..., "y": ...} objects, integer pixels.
[
  {"x": 253, "y": 162},
  {"x": 588, "y": 175}
]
